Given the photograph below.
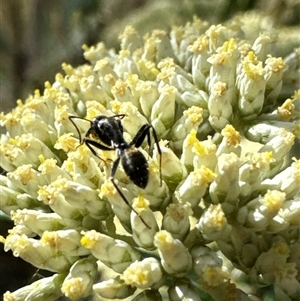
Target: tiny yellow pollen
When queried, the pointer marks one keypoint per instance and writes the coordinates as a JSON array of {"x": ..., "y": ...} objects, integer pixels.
[
  {"x": 163, "y": 237},
  {"x": 135, "y": 276},
  {"x": 133, "y": 80},
  {"x": 166, "y": 73},
  {"x": 219, "y": 89},
  {"x": 286, "y": 110},
  {"x": 191, "y": 137},
  {"x": 109, "y": 78},
  {"x": 200, "y": 148},
  {"x": 195, "y": 114},
  {"x": 25, "y": 173},
  {"x": 88, "y": 242},
  {"x": 127, "y": 32},
  {"x": 274, "y": 64},
  {"x": 67, "y": 143},
  {"x": 231, "y": 136},
  {"x": 50, "y": 238},
  {"x": 274, "y": 199},
  {"x": 251, "y": 57},
  {"x": 119, "y": 88},
  {"x": 116, "y": 106},
  {"x": 140, "y": 202},
  {"x": 200, "y": 45},
  {"x": 41, "y": 158},
  {"x": 107, "y": 189},
  {"x": 203, "y": 175},
  {"x": 101, "y": 64},
  {"x": 254, "y": 71},
  {"x": 73, "y": 288},
  {"x": 166, "y": 63}
]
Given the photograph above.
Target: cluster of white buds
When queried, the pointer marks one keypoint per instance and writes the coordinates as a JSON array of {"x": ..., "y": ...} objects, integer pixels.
[{"x": 225, "y": 197}]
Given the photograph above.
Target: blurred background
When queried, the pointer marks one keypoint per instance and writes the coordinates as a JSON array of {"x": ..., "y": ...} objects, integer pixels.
[{"x": 37, "y": 36}]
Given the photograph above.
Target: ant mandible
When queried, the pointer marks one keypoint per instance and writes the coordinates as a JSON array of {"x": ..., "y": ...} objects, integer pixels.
[{"x": 109, "y": 130}]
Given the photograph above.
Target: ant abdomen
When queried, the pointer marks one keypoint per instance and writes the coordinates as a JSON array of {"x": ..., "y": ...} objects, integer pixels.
[{"x": 135, "y": 166}]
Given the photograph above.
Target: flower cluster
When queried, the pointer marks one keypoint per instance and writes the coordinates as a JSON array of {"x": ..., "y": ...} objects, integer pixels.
[{"x": 228, "y": 207}]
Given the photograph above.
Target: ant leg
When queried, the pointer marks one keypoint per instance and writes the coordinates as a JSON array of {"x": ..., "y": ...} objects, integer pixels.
[
  {"x": 76, "y": 127},
  {"x": 140, "y": 137},
  {"x": 158, "y": 150},
  {"x": 90, "y": 142},
  {"x": 112, "y": 178}
]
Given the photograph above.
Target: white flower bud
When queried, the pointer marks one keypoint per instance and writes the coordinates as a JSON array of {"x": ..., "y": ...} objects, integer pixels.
[
  {"x": 274, "y": 68},
  {"x": 52, "y": 196},
  {"x": 51, "y": 171},
  {"x": 116, "y": 254},
  {"x": 200, "y": 65},
  {"x": 251, "y": 85},
  {"x": 187, "y": 94},
  {"x": 262, "y": 45},
  {"x": 148, "y": 96},
  {"x": 113, "y": 288},
  {"x": 82, "y": 166},
  {"x": 65, "y": 241},
  {"x": 196, "y": 153},
  {"x": 173, "y": 171},
  {"x": 79, "y": 281},
  {"x": 94, "y": 53},
  {"x": 82, "y": 197},
  {"x": 144, "y": 274},
  {"x": 37, "y": 221},
  {"x": 119, "y": 207},
  {"x": 219, "y": 106},
  {"x": 38, "y": 290},
  {"x": 176, "y": 220},
  {"x": 174, "y": 256},
  {"x": 223, "y": 69},
  {"x": 261, "y": 210},
  {"x": 10, "y": 200},
  {"x": 90, "y": 88},
  {"x": 252, "y": 173},
  {"x": 208, "y": 266},
  {"x": 142, "y": 233},
  {"x": 193, "y": 188},
  {"x": 164, "y": 108},
  {"x": 231, "y": 141},
  {"x": 225, "y": 188},
  {"x": 26, "y": 149},
  {"x": 212, "y": 223},
  {"x": 279, "y": 145},
  {"x": 27, "y": 179},
  {"x": 190, "y": 120},
  {"x": 275, "y": 263},
  {"x": 41, "y": 254}
]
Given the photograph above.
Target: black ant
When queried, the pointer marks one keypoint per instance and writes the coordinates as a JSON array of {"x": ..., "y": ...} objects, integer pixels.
[{"x": 109, "y": 130}]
